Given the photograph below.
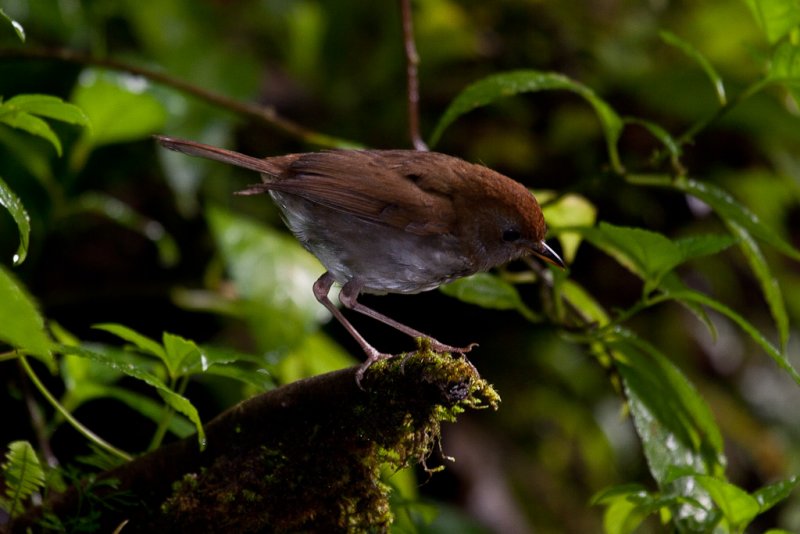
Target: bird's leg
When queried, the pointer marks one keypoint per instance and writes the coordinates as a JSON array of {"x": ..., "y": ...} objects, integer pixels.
[
  {"x": 348, "y": 297},
  {"x": 321, "y": 289}
]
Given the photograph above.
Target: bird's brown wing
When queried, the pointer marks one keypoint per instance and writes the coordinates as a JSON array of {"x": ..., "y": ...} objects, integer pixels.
[{"x": 400, "y": 188}]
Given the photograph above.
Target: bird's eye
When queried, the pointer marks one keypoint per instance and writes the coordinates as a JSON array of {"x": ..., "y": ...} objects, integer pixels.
[{"x": 511, "y": 234}]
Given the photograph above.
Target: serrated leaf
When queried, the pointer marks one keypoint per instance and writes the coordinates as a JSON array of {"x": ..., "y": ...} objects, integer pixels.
[
  {"x": 737, "y": 506},
  {"x": 176, "y": 401},
  {"x": 49, "y": 106},
  {"x": 779, "y": 357},
  {"x": 769, "y": 284},
  {"x": 502, "y": 85},
  {"x": 10, "y": 201},
  {"x": 775, "y": 17},
  {"x": 647, "y": 254},
  {"x": 688, "y": 49},
  {"x": 23, "y": 475},
  {"x": 18, "y": 29},
  {"x": 30, "y": 123},
  {"x": 703, "y": 245},
  {"x": 21, "y": 325},
  {"x": 144, "y": 343},
  {"x": 726, "y": 207},
  {"x": 182, "y": 354},
  {"x": 674, "y": 423},
  {"x": 118, "y": 107}
]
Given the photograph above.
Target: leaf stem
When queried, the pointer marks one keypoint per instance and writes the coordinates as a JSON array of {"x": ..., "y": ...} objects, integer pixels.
[{"x": 68, "y": 416}]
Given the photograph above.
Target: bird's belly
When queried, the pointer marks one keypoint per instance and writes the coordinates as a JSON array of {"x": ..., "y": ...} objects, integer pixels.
[{"x": 383, "y": 258}]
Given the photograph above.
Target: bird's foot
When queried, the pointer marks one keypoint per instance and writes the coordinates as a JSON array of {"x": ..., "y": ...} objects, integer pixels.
[
  {"x": 437, "y": 346},
  {"x": 372, "y": 357}
]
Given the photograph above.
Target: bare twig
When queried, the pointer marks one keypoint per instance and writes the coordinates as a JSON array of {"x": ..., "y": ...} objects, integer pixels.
[
  {"x": 264, "y": 114},
  {"x": 412, "y": 62}
]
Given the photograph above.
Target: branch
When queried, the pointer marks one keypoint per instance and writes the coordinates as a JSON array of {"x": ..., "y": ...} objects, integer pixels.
[
  {"x": 264, "y": 114},
  {"x": 412, "y": 62},
  {"x": 306, "y": 457}
]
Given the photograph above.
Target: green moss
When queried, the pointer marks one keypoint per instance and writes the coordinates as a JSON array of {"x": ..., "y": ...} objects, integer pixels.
[{"x": 317, "y": 467}]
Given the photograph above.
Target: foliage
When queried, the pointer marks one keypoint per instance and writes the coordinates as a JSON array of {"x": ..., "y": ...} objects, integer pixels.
[
  {"x": 23, "y": 475},
  {"x": 668, "y": 157}
]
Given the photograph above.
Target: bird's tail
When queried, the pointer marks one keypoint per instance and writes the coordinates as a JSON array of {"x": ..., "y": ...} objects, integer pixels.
[{"x": 268, "y": 166}]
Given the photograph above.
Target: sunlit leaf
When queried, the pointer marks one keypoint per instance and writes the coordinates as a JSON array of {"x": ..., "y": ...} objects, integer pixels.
[
  {"x": 49, "y": 106},
  {"x": 488, "y": 291},
  {"x": 568, "y": 210},
  {"x": 502, "y": 85},
  {"x": 18, "y": 29},
  {"x": 775, "y": 17},
  {"x": 32, "y": 124},
  {"x": 181, "y": 354},
  {"x": 674, "y": 423},
  {"x": 769, "y": 496},
  {"x": 10, "y": 201},
  {"x": 688, "y": 49},
  {"x": 21, "y": 324},
  {"x": 118, "y": 107},
  {"x": 273, "y": 275},
  {"x": 737, "y": 506}
]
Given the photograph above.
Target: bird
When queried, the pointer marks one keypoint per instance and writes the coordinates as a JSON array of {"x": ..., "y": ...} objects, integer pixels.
[{"x": 392, "y": 221}]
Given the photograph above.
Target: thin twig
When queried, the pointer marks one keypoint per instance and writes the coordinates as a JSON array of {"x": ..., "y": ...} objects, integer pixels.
[
  {"x": 412, "y": 62},
  {"x": 68, "y": 416},
  {"x": 264, "y": 114}
]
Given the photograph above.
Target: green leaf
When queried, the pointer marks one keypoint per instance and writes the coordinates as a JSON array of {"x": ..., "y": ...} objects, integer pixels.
[
  {"x": 49, "y": 106},
  {"x": 647, "y": 254},
  {"x": 23, "y": 476},
  {"x": 29, "y": 123},
  {"x": 273, "y": 275},
  {"x": 779, "y": 357},
  {"x": 775, "y": 17},
  {"x": 703, "y": 245},
  {"x": 21, "y": 325},
  {"x": 144, "y": 343},
  {"x": 769, "y": 496},
  {"x": 10, "y": 201},
  {"x": 688, "y": 49},
  {"x": 181, "y": 354},
  {"x": 769, "y": 285},
  {"x": 502, "y": 85},
  {"x": 784, "y": 67},
  {"x": 20, "y": 31},
  {"x": 118, "y": 107},
  {"x": 120, "y": 363},
  {"x": 674, "y": 423},
  {"x": 317, "y": 354},
  {"x": 737, "y": 506},
  {"x": 567, "y": 210},
  {"x": 487, "y": 291},
  {"x": 584, "y": 302},
  {"x": 727, "y": 207}
]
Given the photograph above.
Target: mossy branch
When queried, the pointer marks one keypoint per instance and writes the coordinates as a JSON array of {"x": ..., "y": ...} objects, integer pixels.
[{"x": 303, "y": 457}]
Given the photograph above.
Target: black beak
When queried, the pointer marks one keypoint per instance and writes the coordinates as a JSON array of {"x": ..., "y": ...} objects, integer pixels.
[{"x": 549, "y": 255}]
